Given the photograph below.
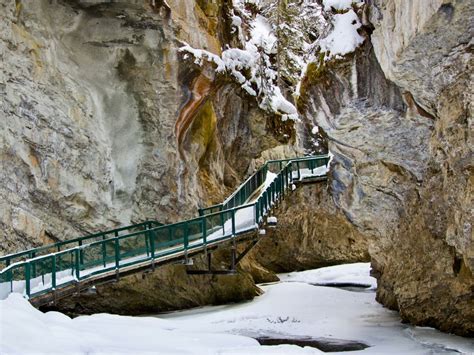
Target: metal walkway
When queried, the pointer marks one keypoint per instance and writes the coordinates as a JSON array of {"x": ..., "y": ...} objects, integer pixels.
[{"x": 46, "y": 274}]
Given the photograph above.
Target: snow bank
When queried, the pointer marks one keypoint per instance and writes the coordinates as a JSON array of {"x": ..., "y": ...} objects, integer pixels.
[
  {"x": 356, "y": 274},
  {"x": 298, "y": 310},
  {"x": 288, "y": 309},
  {"x": 25, "y": 330}
]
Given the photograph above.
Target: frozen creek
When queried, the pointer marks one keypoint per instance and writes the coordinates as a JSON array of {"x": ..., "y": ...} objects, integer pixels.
[{"x": 294, "y": 311}]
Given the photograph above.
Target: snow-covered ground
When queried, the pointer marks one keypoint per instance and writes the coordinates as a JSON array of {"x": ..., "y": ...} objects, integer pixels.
[{"x": 293, "y": 308}]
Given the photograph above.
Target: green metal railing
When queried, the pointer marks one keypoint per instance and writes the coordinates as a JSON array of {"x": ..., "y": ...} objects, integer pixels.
[
  {"x": 9, "y": 259},
  {"x": 250, "y": 187},
  {"x": 111, "y": 252}
]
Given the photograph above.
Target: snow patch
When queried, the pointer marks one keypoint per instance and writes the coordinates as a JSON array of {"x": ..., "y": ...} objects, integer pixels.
[
  {"x": 272, "y": 220},
  {"x": 356, "y": 274},
  {"x": 251, "y": 66},
  {"x": 344, "y": 38},
  {"x": 338, "y": 4}
]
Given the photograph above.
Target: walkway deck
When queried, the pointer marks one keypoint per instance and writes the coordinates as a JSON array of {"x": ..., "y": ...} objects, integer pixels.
[{"x": 46, "y": 274}]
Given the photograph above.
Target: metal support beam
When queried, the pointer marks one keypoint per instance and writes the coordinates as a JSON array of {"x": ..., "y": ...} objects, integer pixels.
[
  {"x": 211, "y": 272},
  {"x": 233, "y": 258},
  {"x": 246, "y": 250}
]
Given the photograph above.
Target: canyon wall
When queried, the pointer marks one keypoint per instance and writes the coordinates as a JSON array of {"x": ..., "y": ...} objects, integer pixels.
[
  {"x": 105, "y": 124},
  {"x": 398, "y": 118}
]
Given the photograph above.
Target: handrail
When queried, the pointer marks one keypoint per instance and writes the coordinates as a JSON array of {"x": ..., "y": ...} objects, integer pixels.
[
  {"x": 8, "y": 259},
  {"x": 253, "y": 177},
  {"x": 42, "y": 274}
]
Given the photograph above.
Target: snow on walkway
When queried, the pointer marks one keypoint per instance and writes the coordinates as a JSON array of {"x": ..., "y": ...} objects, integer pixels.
[
  {"x": 244, "y": 221},
  {"x": 293, "y": 309}
]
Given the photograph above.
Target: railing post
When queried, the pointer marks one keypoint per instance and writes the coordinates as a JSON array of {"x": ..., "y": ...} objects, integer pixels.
[
  {"x": 186, "y": 233},
  {"x": 147, "y": 243},
  {"x": 268, "y": 197},
  {"x": 27, "y": 279},
  {"x": 77, "y": 263},
  {"x": 117, "y": 253},
  {"x": 204, "y": 231},
  {"x": 53, "y": 272},
  {"x": 222, "y": 222},
  {"x": 290, "y": 174},
  {"x": 9, "y": 275},
  {"x": 233, "y": 222},
  {"x": 117, "y": 258},
  {"x": 71, "y": 262},
  {"x": 257, "y": 206},
  {"x": 265, "y": 202},
  {"x": 186, "y": 243},
  {"x": 279, "y": 188},
  {"x": 283, "y": 183},
  {"x": 104, "y": 252},
  {"x": 81, "y": 256},
  {"x": 33, "y": 269},
  {"x": 152, "y": 243}
]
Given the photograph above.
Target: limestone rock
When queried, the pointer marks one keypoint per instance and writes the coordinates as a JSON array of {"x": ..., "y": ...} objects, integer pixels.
[
  {"x": 104, "y": 123},
  {"x": 310, "y": 233},
  {"x": 398, "y": 119}
]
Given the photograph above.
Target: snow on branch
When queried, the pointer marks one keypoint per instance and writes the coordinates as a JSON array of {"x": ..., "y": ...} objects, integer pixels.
[{"x": 251, "y": 66}]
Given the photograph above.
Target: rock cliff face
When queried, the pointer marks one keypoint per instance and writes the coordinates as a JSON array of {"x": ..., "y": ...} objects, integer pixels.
[
  {"x": 311, "y": 232},
  {"x": 105, "y": 124},
  {"x": 398, "y": 118}
]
